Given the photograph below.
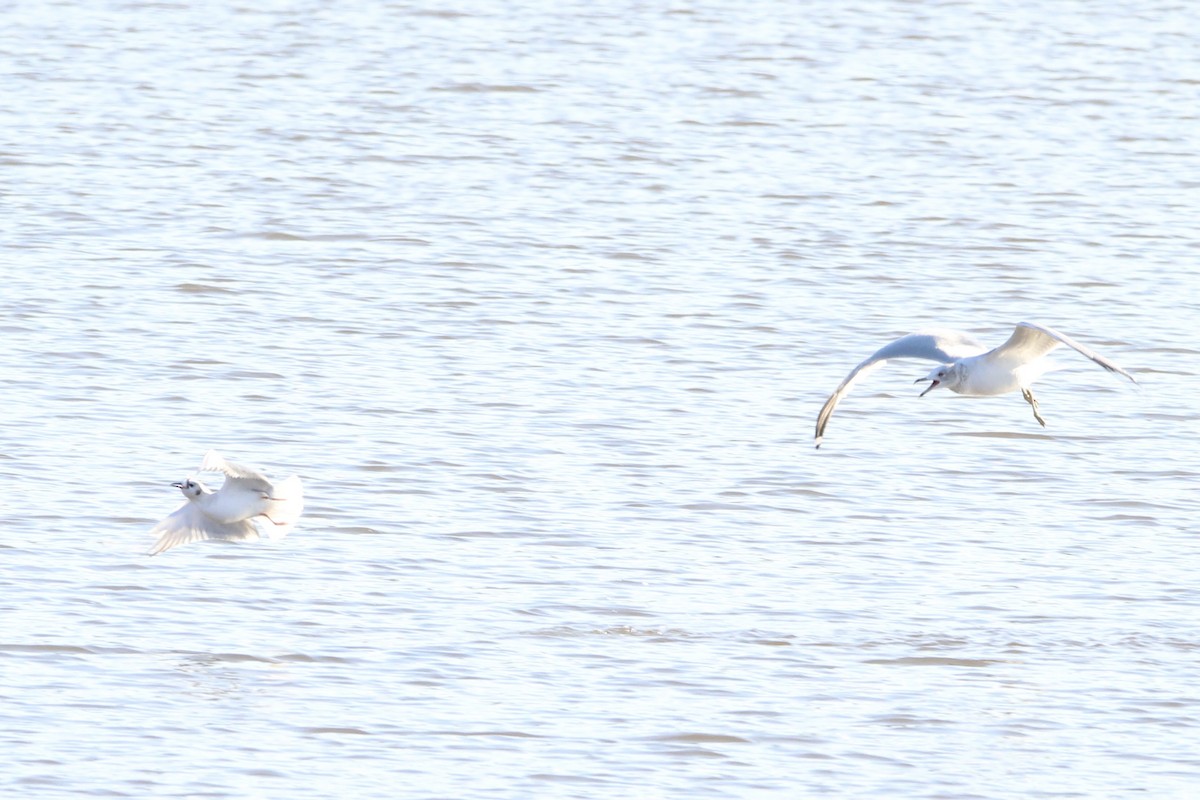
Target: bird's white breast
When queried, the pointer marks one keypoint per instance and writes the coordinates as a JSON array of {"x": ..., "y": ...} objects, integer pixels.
[{"x": 986, "y": 378}]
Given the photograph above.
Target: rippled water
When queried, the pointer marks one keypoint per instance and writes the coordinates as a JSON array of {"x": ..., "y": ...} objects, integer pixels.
[{"x": 541, "y": 301}]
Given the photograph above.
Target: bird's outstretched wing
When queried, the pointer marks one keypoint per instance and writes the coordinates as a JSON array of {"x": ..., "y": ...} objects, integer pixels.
[
  {"x": 243, "y": 490},
  {"x": 943, "y": 346},
  {"x": 213, "y": 462},
  {"x": 189, "y": 524},
  {"x": 1030, "y": 342}
]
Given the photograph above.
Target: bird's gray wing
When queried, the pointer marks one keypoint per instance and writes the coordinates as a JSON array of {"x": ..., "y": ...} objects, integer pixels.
[
  {"x": 189, "y": 524},
  {"x": 1030, "y": 342},
  {"x": 942, "y": 346}
]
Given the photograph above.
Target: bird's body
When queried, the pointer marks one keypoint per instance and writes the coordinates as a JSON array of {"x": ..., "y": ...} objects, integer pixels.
[
  {"x": 984, "y": 376},
  {"x": 247, "y": 506},
  {"x": 968, "y": 368}
]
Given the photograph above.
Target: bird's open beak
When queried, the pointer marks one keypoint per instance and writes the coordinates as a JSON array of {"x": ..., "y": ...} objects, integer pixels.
[
  {"x": 932, "y": 385},
  {"x": 177, "y": 485}
]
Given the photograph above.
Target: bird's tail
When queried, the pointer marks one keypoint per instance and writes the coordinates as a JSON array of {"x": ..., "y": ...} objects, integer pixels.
[{"x": 286, "y": 508}]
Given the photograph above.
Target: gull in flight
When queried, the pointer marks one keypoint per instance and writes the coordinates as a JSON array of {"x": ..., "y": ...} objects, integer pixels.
[
  {"x": 969, "y": 368},
  {"x": 247, "y": 506}
]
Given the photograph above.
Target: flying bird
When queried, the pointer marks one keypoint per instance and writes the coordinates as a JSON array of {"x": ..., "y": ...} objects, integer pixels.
[
  {"x": 968, "y": 368},
  {"x": 247, "y": 506}
]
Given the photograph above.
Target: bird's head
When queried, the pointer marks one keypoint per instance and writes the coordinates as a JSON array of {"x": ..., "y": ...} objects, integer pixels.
[
  {"x": 945, "y": 375},
  {"x": 191, "y": 489}
]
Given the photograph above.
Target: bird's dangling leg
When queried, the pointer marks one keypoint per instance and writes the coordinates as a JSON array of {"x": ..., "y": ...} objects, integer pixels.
[{"x": 1028, "y": 395}]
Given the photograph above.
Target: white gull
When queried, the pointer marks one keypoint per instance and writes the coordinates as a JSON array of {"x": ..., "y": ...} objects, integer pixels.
[
  {"x": 247, "y": 506},
  {"x": 968, "y": 368}
]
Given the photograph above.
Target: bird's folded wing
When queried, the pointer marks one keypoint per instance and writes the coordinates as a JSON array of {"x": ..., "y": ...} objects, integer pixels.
[
  {"x": 189, "y": 524},
  {"x": 942, "y": 346},
  {"x": 1030, "y": 342}
]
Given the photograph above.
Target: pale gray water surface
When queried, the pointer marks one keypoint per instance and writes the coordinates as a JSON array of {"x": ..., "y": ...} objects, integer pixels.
[{"x": 541, "y": 301}]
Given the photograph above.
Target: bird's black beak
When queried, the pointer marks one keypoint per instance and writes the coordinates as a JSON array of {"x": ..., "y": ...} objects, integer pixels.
[
  {"x": 177, "y": 485},
  {"x": 932, "y": 385}
]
